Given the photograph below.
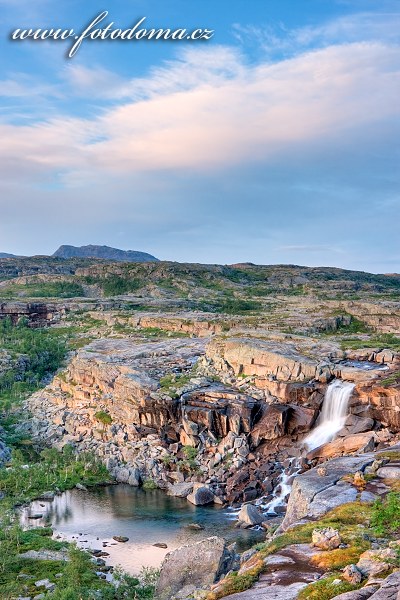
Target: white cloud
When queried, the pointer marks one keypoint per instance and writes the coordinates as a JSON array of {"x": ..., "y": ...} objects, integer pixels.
[
  {"x": 224, "y": 114},
  {"x": 278, "y": 39}
]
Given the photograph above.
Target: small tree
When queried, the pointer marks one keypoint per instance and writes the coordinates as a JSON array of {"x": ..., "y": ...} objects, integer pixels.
[{"x": 105, "y": 419}]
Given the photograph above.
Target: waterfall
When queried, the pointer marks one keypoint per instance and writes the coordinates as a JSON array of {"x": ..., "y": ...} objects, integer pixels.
[{"x": 333, "y": 414}]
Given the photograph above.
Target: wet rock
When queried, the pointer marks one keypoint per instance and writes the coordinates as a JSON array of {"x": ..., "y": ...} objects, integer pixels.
[
  {"x": 160, "y": 545},
  {"x": 35, "y": 516},
  {"x": 250, "y": 515},
  {"x": 201, "y": 495},
  {"x": 326, "y": 539},
  {"x": 352, "y": 574},
  {"x": 200, "y": 565},
  {"x": 120, "y": 538},
  {"x": 195, "y": 526},
  {"x": 80, "y": 486}
]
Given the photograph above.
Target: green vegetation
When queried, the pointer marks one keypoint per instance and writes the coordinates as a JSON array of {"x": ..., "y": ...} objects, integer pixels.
[
  {"x": 189, "y": 464},
  {"x": 171, "y": 382},
  {"x": 50, "y": 470},
  {"x": 53, "y": 289},
  {"x": 115, "y": 285},
  {"x": 393, "y": 379},
  {"x": 325, "y": 589},
  {"x": 385, "y": 517},
  {"x": 229, "y": 305},
  {"x": 347, "y": 518},
  {"x": 105, "y": 419},
  {"x": 149, "y": 484},
  {"x": 33, "y": 355},
  {"x": 383, "y": 340}
]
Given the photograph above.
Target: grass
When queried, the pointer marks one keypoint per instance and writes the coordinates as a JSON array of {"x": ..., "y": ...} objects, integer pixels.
[
  {"x": 324, "y": 589},
  {"x": 393, "y": 379},
  {"x": 385, "y": 517},
  {"x": 346, "y": 518},
  {"x": 171, "y": 382},
  {"x": 383, "y": 340},
  {"x": 55, "y": 289}
]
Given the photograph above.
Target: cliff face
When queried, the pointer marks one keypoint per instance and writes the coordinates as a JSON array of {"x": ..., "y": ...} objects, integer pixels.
[{"x": 165, "y": 396}]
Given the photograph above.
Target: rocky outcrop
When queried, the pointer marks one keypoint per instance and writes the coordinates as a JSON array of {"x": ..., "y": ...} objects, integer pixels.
[
  {"x": 38, "y": 314},
  {"x": 250, "y": 356},
  {"x": 192, "y": 567},
  {"x": 314, "y": 493}
]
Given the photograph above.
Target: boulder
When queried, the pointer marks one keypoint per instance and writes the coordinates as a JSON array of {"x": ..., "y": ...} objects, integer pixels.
[
  {"x": 326, "y": 539},
  {"x": 352, "y": 574},
  {"x": 359, "y": 442},
  {"x": 356, "y": 424},
  {"x": 301, "y": 419},
  {"x": 313, "y": 495},
  {"x": 390, "y": 588},
  {"x": 200, "y": 565},
  {"x": 362, "y": 594},
  {"x": 389, "y": 472},
  {"x": 374, "y": 562},
  {"x": 180, "y": 490},
  {"x": 201, "y": 495},
  {"x": 272, "y": 424},
  {"x": 250, "y": 515}
]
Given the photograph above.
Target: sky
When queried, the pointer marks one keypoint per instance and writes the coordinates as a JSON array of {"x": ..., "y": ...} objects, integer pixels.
[{"x": 275, "y": 141}]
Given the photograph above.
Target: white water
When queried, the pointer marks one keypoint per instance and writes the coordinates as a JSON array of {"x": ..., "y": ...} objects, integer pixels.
[{"x": 333, "y": 414}]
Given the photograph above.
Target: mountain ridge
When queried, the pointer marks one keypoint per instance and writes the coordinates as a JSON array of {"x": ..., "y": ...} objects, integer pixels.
[{"x": 103, "y": 252}]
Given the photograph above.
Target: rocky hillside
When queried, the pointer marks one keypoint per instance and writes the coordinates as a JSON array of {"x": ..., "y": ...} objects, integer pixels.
[
  {"x": 205, "y": 381},
  {"x": 103, "y": 252}
]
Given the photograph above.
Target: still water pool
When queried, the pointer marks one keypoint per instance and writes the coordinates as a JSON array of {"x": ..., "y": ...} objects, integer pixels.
[{"x": 146, "y": 517}]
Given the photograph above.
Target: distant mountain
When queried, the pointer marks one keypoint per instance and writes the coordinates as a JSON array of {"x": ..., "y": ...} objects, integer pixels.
[
  {"x": 5, "y": 255},
  {"x": 104, "y": 252}
]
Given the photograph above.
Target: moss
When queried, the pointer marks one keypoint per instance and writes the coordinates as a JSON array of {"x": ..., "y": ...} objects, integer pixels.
[
  {"x": 339, "y": 558},
  {"x": 324, "y": 589},
  {"x": 235, "y": 583}
]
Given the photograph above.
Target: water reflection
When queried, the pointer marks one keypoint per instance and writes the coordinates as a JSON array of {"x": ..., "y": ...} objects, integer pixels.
[{"x": 146, "y": 517}]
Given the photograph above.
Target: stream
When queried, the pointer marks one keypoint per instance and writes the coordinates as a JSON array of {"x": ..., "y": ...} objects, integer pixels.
[{"x": 146, "y": 517}]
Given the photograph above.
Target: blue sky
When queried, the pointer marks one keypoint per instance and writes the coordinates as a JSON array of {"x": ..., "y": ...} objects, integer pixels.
[{"x": 274, "y": 142}]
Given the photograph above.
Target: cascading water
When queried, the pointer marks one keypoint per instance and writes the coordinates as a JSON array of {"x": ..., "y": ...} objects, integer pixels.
[
  {"x": 331, "y": 420},
  {"x": 282, "y": 489},
  {"x": 333, "y": 414}
]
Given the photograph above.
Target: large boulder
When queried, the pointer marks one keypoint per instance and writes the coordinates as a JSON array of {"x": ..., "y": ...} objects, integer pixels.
[
  {"x": 326, "y": 539},
  {"x": 201, "y": 495},
  {"x": 180, "y": 490},
  {"x": 199, "y": 565},
  {"x": 250, "y": 515},
  {"x": 374, "y": 562},
  {"x": 314, "y": 495},
  {"x": 389, "y": 472},
  {"x": 272, "y": 424}
]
